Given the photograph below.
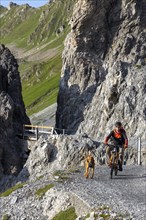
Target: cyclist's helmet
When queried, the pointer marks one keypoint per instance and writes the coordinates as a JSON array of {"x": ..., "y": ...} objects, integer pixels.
[{"x": 118, "y": 124}]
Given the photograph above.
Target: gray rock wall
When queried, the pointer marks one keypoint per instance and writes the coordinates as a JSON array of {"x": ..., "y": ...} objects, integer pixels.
[
  {"x": 56, "y": 153},
  {"x": 12, "y": 114},
  {"x": 104, "y": 69}
]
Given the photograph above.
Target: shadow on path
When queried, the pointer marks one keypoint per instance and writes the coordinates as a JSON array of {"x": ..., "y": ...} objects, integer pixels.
[{"x": 126, "y": 176}]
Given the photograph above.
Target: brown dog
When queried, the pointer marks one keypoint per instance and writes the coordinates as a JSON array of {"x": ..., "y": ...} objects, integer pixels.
[{"x": 89, "y": 166}]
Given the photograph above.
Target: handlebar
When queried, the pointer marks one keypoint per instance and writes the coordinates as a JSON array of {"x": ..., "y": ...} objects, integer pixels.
[{"x": 111, "y": 145}]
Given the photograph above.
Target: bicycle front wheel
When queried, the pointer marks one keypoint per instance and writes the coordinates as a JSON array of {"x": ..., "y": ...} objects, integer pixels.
[{"x": 112, "y": 168}]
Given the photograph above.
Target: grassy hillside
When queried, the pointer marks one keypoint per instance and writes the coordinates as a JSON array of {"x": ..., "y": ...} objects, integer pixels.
[
  {"x": 35, "y": 36},
  {"x": 2, "y": 10}
]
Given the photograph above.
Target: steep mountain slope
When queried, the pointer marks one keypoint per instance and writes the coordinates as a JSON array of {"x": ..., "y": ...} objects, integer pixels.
[
  {"x": 104, "y": 68},
  {"x": 2, "y": 10},
  {"x": 35, "y": 36}
]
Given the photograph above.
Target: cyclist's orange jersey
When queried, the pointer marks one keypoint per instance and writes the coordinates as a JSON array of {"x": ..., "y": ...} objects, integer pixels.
[{"x": 118, "y": 138}]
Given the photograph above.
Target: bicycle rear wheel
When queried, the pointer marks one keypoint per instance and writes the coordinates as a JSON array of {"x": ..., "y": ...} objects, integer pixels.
[{"x": 116, "y": 171}]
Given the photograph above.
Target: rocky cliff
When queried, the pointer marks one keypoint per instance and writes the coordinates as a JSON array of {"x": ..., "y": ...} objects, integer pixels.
[
  {"x": 104, "y": 68},
  {"x": 12, "y": 113}
]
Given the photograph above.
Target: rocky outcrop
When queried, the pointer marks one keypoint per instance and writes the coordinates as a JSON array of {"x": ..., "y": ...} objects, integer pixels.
[
  {"x": 104, "y": 68},
  {"x": 61, "y": 152},
  {"x": 12, "y": 114},
  {"x": 57, "y": 153},
  {"x": 12, "y": 5}
]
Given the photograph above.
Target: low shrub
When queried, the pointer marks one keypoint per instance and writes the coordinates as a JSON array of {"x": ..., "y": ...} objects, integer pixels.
[
  {"x": 41, "y": 192},
  {"x": 12, "y": 189},
  {"x": 68, "y": 214},
  {"x": 5, "y": 217}
]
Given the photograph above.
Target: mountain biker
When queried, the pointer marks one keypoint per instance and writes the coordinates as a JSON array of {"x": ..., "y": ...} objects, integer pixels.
[{"x": 119, "y": 138}]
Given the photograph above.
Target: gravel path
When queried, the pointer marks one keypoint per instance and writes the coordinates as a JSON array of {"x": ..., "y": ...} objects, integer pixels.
[
  {"x": 125, "y": 193},
  {"x": 45, "y": 117}
]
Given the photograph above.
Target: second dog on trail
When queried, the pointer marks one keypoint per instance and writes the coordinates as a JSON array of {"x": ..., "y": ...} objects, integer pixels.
[{"x": 89, "y": 166}]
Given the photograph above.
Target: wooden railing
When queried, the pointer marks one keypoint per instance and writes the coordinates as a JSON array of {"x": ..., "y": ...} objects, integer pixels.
[{"x": 33, "y": 131}]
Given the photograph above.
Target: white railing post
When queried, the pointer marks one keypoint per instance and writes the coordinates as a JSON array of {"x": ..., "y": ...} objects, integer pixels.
[
  {"x": 52, "y": 130},
  {"x": 37, "y": 133},
  {"x": 139, "y": 151}
]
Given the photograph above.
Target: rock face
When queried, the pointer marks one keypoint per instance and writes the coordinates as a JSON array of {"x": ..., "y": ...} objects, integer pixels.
[
  {"x": 57, "y": 153},
  {"x": 62, "y": 152},
  {"x": 104, "y": 68},
  {"x": 12, "y": 113}
]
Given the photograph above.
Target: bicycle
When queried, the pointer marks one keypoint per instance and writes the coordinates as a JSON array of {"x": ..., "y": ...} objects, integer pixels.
[{"x": 114, "y": 160}]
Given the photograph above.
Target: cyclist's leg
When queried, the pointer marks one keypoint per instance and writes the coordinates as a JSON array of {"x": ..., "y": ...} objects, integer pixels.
[
  {"x": 121, "y": 154},
  {"x": 125, "y": 156}
]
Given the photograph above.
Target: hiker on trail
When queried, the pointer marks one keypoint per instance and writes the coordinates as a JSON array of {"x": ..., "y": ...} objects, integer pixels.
[{"x": 119, "y": 138}]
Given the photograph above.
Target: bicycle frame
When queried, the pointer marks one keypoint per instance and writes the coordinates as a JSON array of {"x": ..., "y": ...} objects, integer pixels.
[
  {"x": 114, "y": 160},
  {"x": 114, "y": 156}
]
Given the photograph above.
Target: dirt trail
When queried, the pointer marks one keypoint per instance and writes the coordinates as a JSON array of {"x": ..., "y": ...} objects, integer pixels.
[
  {"x": 35, "y": 54},
  {"x": 45, "y": 117}
]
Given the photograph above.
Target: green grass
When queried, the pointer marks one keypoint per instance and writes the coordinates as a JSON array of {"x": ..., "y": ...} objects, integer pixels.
[
  {"x": 57, "y": 18},
  {"x": 2, "y": 9},
  {"x": 44, "y": 102},
  {"x": 41, "y": 192},
  {"x": 12, "y": 189},
  {"x": 68, "y": 214},
  {"x": 105, "y": 216},
  {"x": 41, "y": 94},
  {"x": 33, "y": 31},
  {"x": 138, "y": 66},
  {"x": 58, "y": 42},
  {"x": 87, "y": 216},
  {"x": 35, "y": 93},
  {"x": 62, "y": 174},
  {"x": 58, "y": 172},
  {"x": 74, "y": 171},
  {"x": 5, "y": 217},
  {"x": 40, "y": 177},
  {"x": 18, "y": 29},
  {"x": 22, "y": 29}
]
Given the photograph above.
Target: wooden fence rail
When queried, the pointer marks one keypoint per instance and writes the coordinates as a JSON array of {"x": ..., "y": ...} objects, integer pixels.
[{"x": 32, "y": 131}]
